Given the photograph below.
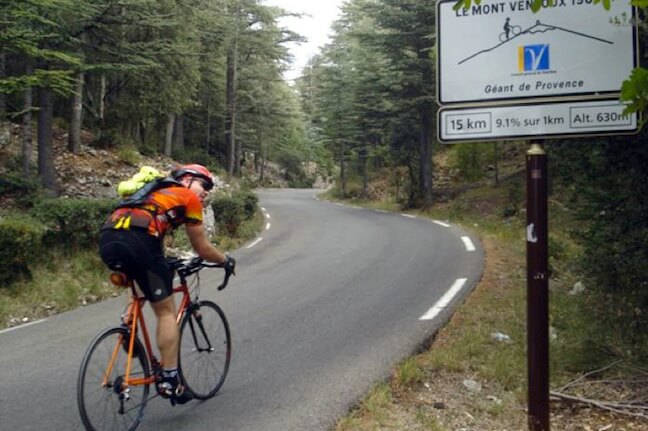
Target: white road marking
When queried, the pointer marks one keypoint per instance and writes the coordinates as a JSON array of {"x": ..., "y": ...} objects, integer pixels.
[
  {"x": 381, "y": 211},
  {"x": 263, "y": 209},
  {"x": 258, "y": 240},
  {"x": 445, "y": 300},
  {"x": 267, "y": 226},
  {"x": 339, "y": 204},
  {"x": 22, "y": 326},
  {"x": 468, "y": 243},
  {"x": 408, "y": 215},
  {"x": 267, "y": 216},
  {"x": 440, "y": 223}
]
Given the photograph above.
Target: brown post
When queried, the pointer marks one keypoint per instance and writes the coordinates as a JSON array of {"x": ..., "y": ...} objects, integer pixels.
[{"x": 537, "y": 288}]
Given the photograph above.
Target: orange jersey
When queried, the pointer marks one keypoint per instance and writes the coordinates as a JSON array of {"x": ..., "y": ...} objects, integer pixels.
[{"x": 163, "y": 210}]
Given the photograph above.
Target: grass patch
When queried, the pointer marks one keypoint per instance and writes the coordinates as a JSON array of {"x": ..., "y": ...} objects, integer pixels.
[
  {"x": 60, "y": 284},
  {"x": 409, "y": 372},
  {"x": 372, "y": 413}
]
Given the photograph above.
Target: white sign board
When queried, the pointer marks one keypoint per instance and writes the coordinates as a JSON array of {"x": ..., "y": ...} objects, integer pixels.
[
  {"x": 534, "y": 121},
  {"x": 501, "y": 50}
]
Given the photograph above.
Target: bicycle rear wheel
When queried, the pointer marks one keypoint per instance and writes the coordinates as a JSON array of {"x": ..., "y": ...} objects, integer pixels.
[
  {"x": 205, "y": 349},
  {"x": 103, "y": 404}
]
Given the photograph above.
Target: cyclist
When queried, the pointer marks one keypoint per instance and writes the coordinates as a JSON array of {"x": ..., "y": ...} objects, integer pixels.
[
  {"x": 131, "y": 241},
  {"x": 507, "y": 27}
]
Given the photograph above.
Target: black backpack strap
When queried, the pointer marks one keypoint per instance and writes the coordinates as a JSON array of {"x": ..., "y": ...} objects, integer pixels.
[{"x": 138, "y": 198}]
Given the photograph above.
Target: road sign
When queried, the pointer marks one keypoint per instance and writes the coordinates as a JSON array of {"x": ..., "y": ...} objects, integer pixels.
[
  {"x": 536, "y": 121},
  {"x": 502, "y": 51}
]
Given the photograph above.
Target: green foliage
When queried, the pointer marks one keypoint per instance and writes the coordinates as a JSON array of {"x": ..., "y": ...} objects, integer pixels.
[
  {"x": 34, "y": 29},
  {"x": 250, "y": 202},
  {"x": 471, "y": 159},
  {"x": 20, "y": 241},
  {"x": 16, "y": 186},
  {"x": 608, "y": 187},
  {"x": 128, "y": 154},
  {"x": 72, "y": 224},
  {"x": 229, "y": 213},
  {"x": 293, "y": 170},
  {"x": 514, "y": 196},
  {"x": 634, "y": 91}
]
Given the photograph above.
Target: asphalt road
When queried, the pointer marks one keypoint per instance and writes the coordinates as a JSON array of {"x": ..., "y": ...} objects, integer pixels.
[{"x": 325, "y": 301}]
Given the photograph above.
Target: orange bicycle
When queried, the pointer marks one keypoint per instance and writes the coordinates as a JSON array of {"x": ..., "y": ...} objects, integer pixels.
[{"x": 117, "y": 369}]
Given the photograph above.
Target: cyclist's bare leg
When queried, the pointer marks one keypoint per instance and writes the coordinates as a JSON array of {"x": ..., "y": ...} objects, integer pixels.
[
  {"x": 167, "y": 334},
  {"x": 168, "y": 337}
]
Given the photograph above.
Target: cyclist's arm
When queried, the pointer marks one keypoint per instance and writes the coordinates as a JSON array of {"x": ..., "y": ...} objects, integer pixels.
[{"x": 202, "y": 246}]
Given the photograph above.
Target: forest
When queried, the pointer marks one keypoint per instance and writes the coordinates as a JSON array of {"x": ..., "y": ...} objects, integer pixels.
[{"x": 202, "y": 80}]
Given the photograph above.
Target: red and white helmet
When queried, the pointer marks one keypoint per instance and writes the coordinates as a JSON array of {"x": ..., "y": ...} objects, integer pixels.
[{"x": 194, "y": 170}]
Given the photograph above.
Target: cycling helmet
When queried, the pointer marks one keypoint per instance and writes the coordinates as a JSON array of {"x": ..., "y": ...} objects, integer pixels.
[{"x": 195, "y": 170}]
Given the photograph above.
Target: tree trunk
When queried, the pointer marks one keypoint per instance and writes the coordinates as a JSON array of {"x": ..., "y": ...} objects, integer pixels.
[
  {"x": 496, "y": 164},
  {"x": 5, "y": 126},
  {"x": 141, "y": 130},
  {"x": 46, "y": 169},
  {"x": 168, "y": 137},
  {"x": 239, "y": 157},
  {"x": 208, "y": 127},
  {"x": 412, "y": 177},
  {"x": 425, "y": 150},
  {"x": 230, "y": 95},
  {"x": 343, "y": 178},
  {"x": 27, "y": 126},
  {"x": 74, "y": 142},
  {"x": 365, "y": 174},
  {"x": 230, "y": 119},
  {"x": 178, "y": 135},
  {"x": 3, "y": 100},
  {"x": 102, "y": 94},
  {"x": 263, "y": 152}
]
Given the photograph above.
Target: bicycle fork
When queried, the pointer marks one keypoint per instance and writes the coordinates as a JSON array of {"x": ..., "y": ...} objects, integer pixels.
[{"x": 195, "y": 313}]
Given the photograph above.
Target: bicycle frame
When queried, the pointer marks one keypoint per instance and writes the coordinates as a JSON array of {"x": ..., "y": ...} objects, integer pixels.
[{"x": 130, "y": 320}]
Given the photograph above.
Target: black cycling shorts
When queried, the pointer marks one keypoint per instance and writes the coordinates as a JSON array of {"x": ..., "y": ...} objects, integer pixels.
[{"x": 140, "y": 256}]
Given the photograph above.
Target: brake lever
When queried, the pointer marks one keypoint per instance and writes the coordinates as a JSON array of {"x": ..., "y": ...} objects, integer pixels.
[{"x": 228, "y": 274}]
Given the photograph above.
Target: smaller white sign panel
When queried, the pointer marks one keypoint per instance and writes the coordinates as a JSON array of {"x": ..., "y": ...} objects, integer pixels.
[
  {"x": 535, "y": 121},
  {"x": 501, "y": 50}
]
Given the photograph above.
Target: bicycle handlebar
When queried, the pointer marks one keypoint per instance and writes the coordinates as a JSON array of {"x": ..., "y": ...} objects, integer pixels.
[{"x": 186, "y": 267}]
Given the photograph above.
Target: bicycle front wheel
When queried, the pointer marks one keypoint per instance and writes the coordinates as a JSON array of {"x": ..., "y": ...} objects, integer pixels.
[
  {"x": 205, "y": 349},
  {"x": 104, "y": 401}
]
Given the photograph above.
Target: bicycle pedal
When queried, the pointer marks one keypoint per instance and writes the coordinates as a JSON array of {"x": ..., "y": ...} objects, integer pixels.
[
  {"x": 182, "y": 398},
  {"x": 164, "y": 389}
]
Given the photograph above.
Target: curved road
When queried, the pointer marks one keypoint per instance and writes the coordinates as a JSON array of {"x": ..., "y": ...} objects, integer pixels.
[{"x": 325, "y": 301}]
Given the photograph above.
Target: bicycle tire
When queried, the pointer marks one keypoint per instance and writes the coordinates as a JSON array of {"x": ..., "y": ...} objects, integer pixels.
[
  {"x": 99, "y": 405},
  {"x": 205, "y": 349}
]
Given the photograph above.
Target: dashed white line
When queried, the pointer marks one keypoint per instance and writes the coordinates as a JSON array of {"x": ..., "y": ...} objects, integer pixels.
[
  {"x": 468, "y": 243},
  {"x": 440, "y": 223},
  {"x": 268, "y": 226},
  {"x": 263, "y": 209},
  {"x": 258, "y": 240},
  {"x": 267, "y": 216},
  {"x": 442, "y": 303},
  {"x": 408, "y": 215},
  {"x": 22, "y": 326}
]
